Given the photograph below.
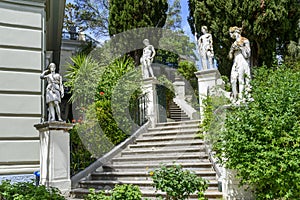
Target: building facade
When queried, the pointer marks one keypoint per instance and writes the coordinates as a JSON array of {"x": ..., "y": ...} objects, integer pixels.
[{"x": 30, "y": 38}]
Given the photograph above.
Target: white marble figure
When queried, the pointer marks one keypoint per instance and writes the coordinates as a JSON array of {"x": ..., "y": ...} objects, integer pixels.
[
  {"x": 240, "y": 52},
  {"x": 205, "y": 46},
  {"x": 147, "y": 59},
  {"x": 81, "y": 35},
  {"x": 54, "y": 91}
]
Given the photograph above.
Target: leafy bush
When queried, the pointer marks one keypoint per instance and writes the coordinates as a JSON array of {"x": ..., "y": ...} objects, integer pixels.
[
  {"x": 261, "y": 139},
  {"x": 93, "y": 195},
  {"x": 80, "y": 156},
  {"x": 107, "y": 122},
  {"x": 214, "y": 117},
  {"x": 26, "y": 191},
  {"x": 120, "y": 192},
  {"x": 178, "y": 183},
  {"x": 128, "y": 192},
  {"x": 93, "y": 89},
  {"x": 187, "y": 69}
]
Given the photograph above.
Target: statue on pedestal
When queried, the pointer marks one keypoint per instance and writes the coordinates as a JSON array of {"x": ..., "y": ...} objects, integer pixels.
[
  {"x": 205, "y": 46},
  {"x": 147, "y": 59},
  {"x": 240, "y": 52},
  {"x": 54, "y": 91}
]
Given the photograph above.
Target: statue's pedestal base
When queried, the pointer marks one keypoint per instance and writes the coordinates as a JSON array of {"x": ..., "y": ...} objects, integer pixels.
[
  {"x": 149, "y": 88},
  {"x": 232, "y": 189},
  {"x": 207, "y": 79},
  {"x": 55, "y": 155}
]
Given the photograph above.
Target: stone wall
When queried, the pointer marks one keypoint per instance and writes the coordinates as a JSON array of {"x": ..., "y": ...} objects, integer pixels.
[{"x": 22, "y": 47}]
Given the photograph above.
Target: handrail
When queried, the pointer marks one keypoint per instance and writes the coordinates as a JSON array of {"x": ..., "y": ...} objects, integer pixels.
[
  {"x": 187, "y": 108},
  {"x": 108, "y": 156}
]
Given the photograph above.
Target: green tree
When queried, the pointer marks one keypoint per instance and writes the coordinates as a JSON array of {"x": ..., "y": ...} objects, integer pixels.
[
  {"x": 174, "y": 18},
  {"x": 130, "y": 14},
  {"x": 175, "y": 46},
  {"x": 269, "y": 25},
  {"x": 293, "y": 57},
  {"x": 88, "y": 14},
  {"x": 261, "y": 139}
]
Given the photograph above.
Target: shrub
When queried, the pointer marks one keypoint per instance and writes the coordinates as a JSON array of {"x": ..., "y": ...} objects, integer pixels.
[
  {"x": 120, "y": 192},
  {"x": 261, "y": 139},
  {"x": 26, "y": 191},
  {"x": 80, "y": 156},
  {"x": 126, "y": 191},
  {"x": 93, "y": 87},
  {"x": 178, "y": 183},
  {"x": 93, "y": 195}
]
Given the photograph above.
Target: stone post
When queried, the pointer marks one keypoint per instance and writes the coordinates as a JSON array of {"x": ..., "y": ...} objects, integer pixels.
[
  {"x": 206, "y": 80},
  {"x": 149, "y": 88},
  {"x": 55, "y": 155},
  {"x": 232, "y": 189},
  {"x": 179, "y": 87}
]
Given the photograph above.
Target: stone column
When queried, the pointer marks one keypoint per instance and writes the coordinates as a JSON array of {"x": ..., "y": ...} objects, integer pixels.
[
  {"x": 206, "y": 80},
  {"x": 55, "y": 155},
  {"x": 179, "y": 87},
  {"x": 149, "y": 88}
]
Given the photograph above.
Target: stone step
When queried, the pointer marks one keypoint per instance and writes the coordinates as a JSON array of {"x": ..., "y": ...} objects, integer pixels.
[
  {"x": 162, "y": 151},
  {"x": 143, "y": 184},
  {"x": 166, "y": 138},
  {"x": 168, "y": 144},
  {"x": 141, "y": 175},
  {"x": 170, "y": 124},
  {"x": 179, "y": 117},
  {"x": 173, "y": 111},
  {"x": 170, "y": 155},
  {"x": 174, "y": 127},
  {"x": 209, "y": 194},
  {"x": 177, "y": 132},
  {"x": 174, "y": 115},
  {"x": 151, "y": 194},
  {"x": 194, "y": 166},
  {"x": 160, "y": 159}
]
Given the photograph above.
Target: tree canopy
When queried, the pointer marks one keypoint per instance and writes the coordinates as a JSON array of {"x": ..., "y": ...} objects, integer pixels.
[
  {"x": 88, "y": 14},
  {"x": 269, "y": 25},
  {"x": 129, "y": 14}
]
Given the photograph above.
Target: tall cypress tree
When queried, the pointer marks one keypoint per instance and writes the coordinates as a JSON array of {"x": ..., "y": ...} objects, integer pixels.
[
  {"x": 126, "y": 15},
  {"x": 129, "y": 14},
  {"x": 269, "y": 25}
]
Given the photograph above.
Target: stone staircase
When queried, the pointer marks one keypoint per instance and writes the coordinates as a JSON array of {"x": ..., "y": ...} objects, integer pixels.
[
  {"x": 176, "y": 113},
  {"x": 167, "y": 143}
]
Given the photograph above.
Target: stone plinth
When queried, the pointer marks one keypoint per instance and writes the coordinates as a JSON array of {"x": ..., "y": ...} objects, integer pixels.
[
  {"x": 149, "y": 88},
  {"x": 179, "y": 87},
  {"x": 231, "y": 188},
  {"x": 55, "y": 155},
  {"x": 206, "y": 80}
]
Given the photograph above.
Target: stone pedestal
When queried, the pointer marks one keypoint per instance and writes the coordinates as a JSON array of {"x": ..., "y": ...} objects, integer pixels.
[
  {"x": 149, "y": 88},
  {"x": 231, "y": 188},
  {"x": 55, "y": 155},
  {"x": 206, "y": 80},
  {"x": 179, "y": 87}
]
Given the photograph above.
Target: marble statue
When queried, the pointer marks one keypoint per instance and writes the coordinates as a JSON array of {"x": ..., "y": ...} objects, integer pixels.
[
  {"x": 54, "y": 91},
  {"x": 205, "y": 46},
  {"x": 240, "y": 52},
  {"x": 147, "y": 59}
]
